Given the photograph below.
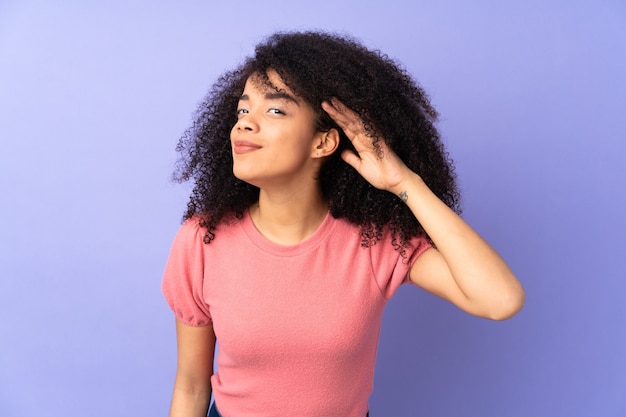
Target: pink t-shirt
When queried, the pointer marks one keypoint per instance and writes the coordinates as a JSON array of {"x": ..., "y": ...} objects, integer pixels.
[{"x": 297, "y": 326}]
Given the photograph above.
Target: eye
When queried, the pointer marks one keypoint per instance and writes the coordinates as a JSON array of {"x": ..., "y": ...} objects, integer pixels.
[
  {"x": 275, "y": 111},
  {"x": 242, "y": 111}
]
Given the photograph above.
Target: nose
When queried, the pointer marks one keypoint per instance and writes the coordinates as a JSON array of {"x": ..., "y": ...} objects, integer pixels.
[{"x": 247, "y": 123}]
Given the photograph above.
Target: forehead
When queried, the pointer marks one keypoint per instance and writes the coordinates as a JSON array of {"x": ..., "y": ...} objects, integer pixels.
[{"x": 269, "y": 82}]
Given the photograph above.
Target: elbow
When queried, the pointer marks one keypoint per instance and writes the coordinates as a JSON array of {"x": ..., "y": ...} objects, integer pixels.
[{"x": 509, "y": 304}]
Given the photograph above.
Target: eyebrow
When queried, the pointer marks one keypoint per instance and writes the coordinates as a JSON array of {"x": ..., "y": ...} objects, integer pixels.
[{"x": 279, "y": 95}]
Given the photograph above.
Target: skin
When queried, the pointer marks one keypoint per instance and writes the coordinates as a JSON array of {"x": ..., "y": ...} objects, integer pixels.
[
  {"x": 282, "y": 154},
  {"x": 192, "y": 385},
  {"x": 276, "y": 148},
  {"x": 464, "y": 269}
]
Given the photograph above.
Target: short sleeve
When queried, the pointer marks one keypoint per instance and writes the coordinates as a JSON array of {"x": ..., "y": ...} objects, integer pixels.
[
  {"x": 183, "y": 277},
  {"x": 391, "y": 268}
]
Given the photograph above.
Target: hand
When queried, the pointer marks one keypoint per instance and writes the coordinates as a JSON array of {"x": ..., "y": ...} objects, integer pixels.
[{"x": 379, "y": 165}]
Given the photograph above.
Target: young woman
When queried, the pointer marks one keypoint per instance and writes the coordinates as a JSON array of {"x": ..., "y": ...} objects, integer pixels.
[{"x": 321, "y": 185}]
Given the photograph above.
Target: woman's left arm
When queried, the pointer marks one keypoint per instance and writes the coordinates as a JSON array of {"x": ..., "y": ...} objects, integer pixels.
[{"x": 463, "y": 269}]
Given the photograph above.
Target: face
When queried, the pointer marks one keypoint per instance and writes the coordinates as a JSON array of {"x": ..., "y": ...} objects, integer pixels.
[{"x": 274, "y": 139}]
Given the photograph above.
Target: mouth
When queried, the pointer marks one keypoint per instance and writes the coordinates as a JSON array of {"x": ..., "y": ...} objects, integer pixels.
[{"x": 241, "y": 147}]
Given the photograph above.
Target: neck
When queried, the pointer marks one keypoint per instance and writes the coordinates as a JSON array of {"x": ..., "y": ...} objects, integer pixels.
[{"x": 289, "y": 218}]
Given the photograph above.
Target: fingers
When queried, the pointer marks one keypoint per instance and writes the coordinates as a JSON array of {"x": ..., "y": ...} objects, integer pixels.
[
  {"x": 351, "y": 159},
  {"x": 354, "y": 128},
  {"x": 350, "y": 123},
  {"x": 348, "y": 120}
]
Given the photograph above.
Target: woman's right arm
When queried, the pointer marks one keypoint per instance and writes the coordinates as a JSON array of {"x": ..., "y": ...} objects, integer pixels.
[{"x": 192, "y": 387}]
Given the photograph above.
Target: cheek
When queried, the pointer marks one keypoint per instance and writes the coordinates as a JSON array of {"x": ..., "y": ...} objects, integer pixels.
[
  {"x": 301, "y": 140},
  {"x": 298, "y": 151}
]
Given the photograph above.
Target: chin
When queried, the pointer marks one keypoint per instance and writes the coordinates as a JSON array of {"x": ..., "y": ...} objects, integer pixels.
[{"x": 246, "y": 177}]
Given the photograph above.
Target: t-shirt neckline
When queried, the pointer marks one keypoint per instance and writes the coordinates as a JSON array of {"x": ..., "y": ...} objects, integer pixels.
[{"x": 277, "y": 249}]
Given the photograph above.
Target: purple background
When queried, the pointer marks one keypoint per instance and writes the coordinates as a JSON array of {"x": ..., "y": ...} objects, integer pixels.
[{"x": 94, "y": 97}]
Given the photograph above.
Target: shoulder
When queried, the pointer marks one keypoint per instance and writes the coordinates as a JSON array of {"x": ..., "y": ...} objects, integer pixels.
[
  {"x": 190, "y": 234},
  {"x": 344, "y": 229},
  {"x": 195, "y": 231},
  {"x": 382, "y": 241}
]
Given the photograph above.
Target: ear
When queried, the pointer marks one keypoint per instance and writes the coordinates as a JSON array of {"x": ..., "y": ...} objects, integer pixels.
[{"x": 326, "y": 143}]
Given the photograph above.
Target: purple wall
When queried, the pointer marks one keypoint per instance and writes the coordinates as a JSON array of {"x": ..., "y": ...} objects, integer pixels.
[{"x": 533, "y": 104}]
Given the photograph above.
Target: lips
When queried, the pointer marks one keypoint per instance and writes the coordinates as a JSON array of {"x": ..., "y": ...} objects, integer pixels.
[{"x": 242, "y": 146}]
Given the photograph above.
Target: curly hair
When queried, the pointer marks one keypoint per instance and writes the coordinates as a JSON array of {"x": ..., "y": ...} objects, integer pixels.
[{"x": 318, "y": 66}]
